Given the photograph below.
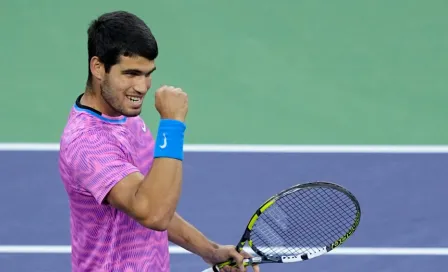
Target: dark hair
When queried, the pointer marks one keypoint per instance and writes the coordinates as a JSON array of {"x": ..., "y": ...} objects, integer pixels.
[{"x": 116, "y": 34}]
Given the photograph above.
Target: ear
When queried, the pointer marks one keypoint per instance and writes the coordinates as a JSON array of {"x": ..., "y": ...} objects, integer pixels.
[{"x": 97, "y": 68}]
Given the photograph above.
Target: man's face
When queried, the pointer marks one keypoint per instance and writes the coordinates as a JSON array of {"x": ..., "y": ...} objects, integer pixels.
[{"x": 126, "y": 85}]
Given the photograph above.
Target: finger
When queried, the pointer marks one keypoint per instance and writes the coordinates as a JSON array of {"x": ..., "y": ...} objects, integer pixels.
[
  {"x": 227, "y": 269},
  {"x": 236, "y": 269},
  {"x": 231, "y": 269},
  {"x": 246, "y": 255},
  {"x": 238, "y": 258},
  {"x": 256, "y": 268}
]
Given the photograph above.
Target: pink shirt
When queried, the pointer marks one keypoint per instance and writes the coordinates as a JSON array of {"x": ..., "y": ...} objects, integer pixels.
[{"x": 96, "y": 152}]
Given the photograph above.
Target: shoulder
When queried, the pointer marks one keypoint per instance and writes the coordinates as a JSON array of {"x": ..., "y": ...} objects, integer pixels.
[
  {"x": 89, "y": 146},
  {"x": 86, "y": 135}
]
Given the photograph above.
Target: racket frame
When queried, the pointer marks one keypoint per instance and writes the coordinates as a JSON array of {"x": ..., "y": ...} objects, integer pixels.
[{"x": 262, "y": 258}]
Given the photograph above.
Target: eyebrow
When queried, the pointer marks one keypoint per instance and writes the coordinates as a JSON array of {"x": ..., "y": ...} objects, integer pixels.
[{"x": 137, "y": 72}]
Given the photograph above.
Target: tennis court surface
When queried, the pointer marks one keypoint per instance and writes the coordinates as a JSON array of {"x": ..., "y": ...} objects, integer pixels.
[{"x": 402, "y": 228}]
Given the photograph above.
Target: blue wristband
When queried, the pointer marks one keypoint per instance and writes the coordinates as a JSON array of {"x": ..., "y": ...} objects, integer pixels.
[{"x": 170, "y": 140}]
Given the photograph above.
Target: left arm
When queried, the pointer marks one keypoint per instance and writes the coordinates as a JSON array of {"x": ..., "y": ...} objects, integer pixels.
[{"x": 182, "y": 233}]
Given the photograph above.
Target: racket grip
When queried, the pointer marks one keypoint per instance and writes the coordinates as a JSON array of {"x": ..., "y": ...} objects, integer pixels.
[{"x": 217, "y": 267}]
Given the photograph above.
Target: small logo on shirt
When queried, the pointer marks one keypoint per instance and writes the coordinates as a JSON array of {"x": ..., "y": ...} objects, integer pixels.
[
  {"x": 164, "y": 142},
  {"x": 144, "y": 128}
]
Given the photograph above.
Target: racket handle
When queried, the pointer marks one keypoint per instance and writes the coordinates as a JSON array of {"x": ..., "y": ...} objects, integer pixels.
[{"x": 217, "y": 267}]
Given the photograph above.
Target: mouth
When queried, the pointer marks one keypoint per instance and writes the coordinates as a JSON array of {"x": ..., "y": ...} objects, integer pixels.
[{"x": 135, "y": 100}]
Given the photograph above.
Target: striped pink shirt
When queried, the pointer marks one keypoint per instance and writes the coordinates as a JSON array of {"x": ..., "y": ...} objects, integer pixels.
[{"x": 96, "y": 152}]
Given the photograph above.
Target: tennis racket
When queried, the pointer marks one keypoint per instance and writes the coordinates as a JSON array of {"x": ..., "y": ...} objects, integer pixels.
[{"x": 299, "y": 223}]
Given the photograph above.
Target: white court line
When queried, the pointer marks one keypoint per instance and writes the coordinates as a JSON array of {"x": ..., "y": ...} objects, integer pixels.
[
  {"x": 441, "y": 251},
  {"x": 264, "y": 148}
]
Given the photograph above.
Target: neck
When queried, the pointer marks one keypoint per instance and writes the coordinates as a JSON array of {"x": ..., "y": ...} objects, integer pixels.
[{"x": 93, "y": 99}]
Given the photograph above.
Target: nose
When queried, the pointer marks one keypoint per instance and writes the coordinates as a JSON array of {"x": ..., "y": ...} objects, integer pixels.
[{"x": 142, "y": 84}]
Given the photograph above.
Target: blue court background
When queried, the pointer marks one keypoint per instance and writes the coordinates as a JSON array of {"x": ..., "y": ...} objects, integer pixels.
[{"x": 401, "y": 197}]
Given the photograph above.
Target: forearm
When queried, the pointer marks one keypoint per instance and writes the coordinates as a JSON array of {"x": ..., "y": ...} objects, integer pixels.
[
  {"x": 182, "y": 233},
  {"x": 161, "y": 188}
]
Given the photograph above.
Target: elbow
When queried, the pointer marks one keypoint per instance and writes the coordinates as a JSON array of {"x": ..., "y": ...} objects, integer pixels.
[
  {"x": 153, "y": 216},
  {"x": 156, "y": 222}
]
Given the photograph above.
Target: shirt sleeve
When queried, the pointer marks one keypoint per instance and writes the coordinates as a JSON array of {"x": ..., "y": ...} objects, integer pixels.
[{"x": 98, "y": 163}]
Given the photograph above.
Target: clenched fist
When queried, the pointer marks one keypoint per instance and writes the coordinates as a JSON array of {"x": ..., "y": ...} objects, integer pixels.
[{"x": 171, "y": 103}]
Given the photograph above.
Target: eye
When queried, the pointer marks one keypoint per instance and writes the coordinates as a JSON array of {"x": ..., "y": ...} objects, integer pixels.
[{"x": 132, "y": 74}]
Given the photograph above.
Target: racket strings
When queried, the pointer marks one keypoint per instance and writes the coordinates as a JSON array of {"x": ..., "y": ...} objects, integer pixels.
[
  {"x": 348, "y": 212},
  {"x": 309, "y": 236},
  {"x": 341, "y": 224},
  {"x": 303, "y": 221},
  {"x": 344, "y": 217},
  {"x": 326, "y": 210}
]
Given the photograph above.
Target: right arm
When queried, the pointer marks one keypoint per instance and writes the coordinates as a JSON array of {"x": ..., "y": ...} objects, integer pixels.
[{"x": 152, "y": 199}]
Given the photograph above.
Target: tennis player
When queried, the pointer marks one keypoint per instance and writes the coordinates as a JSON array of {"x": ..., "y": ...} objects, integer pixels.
[{"x": 123, "y": 185}]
